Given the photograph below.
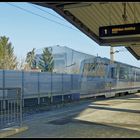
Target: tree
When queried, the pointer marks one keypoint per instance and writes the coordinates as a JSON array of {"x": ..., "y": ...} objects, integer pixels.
[
  {"x": 30, "y": 59},
  {"x": 7, "y": 58},
  {"x": 46, "y": 62}
]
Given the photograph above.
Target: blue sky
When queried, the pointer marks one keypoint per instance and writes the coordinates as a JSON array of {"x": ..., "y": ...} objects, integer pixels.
[{"x": 27, "y": 31}]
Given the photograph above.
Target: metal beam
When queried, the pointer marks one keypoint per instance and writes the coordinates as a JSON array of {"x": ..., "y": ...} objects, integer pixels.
[
  {"x": 133, "y": 53},
  {"x": 120, "y": 41}
]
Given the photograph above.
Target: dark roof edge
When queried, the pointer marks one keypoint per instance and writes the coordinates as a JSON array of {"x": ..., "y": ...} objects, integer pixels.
[{"x": 133, "y": 53}]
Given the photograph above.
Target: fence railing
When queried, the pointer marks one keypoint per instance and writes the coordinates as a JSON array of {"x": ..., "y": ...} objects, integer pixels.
[
  {"x": 39, "y": 84},
  {"x": 10, "y": 107}
]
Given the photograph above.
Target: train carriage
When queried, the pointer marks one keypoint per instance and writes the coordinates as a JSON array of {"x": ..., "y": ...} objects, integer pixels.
[{"x": 100, "y": 77}]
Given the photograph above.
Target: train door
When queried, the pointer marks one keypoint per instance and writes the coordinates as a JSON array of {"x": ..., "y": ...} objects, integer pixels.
[
  {"x": 111, "y": 80},
  {"x": 112, "y": 71},
  {"x": 113, "y": 74}
]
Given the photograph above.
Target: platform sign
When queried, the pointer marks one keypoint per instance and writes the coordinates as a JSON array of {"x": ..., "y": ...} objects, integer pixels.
[{"x": 119, "y": 30}]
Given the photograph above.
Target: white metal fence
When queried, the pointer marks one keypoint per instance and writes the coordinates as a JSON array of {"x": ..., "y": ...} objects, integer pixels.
[{"x": 10, "y": 107}]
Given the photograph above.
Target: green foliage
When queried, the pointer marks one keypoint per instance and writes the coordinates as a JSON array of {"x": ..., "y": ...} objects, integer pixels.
[
  {"x": 7, "y": 58},
  {"x": 30, "y": 59},
  {"x": 46, "y": 62}
]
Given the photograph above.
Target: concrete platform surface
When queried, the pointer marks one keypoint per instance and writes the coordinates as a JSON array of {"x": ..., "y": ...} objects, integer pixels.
[
  {"x": 110, "y": 118},
  {"x": 12, "y": 131}
]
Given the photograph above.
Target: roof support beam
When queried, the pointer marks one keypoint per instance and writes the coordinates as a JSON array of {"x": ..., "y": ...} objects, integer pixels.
[{"x": 133, "y": 53}]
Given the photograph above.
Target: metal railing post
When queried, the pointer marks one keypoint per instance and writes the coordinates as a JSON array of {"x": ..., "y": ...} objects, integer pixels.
[
  {"x": 71, "y": 81},
  {"x": 51, "y": 87},
  {"x": 20, "y": 107},
  {"x": 22, "y": 91},
  {"x": 62, "y": 89},
  {"x": 38, "y": 88},
  {"x": 11, "y": 114}
]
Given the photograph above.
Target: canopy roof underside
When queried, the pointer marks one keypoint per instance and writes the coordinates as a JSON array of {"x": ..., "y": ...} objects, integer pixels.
[{"x": 89, "y": 16}]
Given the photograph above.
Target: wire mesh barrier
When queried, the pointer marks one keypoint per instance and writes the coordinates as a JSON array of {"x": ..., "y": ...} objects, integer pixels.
[
  {"x": 10, "y": 107},
  {"x": 41, "y": 87}
]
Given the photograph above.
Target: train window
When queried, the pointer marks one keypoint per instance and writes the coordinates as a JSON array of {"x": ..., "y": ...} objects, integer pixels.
[
  {"x": 94, "y": 69},
  {"x": 100, "y": 71},
  {"x": 123, "y": 73},
  {"x": 85, "y": 69},
  {"x": 113, "y": 73},
  {"x": 131, "y": 74},
  {"x": 137, "y": 76},
  {"x": 91, "y": 67}
]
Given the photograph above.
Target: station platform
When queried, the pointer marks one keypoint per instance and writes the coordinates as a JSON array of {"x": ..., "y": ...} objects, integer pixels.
[{"x": 117, "y": 117}]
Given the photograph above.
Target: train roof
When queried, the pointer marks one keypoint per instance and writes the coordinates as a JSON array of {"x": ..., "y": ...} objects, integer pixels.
[{"x": 108, "y": 60}]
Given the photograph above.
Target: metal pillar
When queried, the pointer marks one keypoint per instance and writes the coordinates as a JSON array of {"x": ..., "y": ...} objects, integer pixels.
[
  {"x": 112, "y": 55},
  {"x": 38, "y": 85}
]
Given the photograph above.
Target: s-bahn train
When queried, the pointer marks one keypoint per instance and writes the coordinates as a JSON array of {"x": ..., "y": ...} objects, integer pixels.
[
  {"x": 97, "y": 77},
  {"x": 100, "y": 77}
]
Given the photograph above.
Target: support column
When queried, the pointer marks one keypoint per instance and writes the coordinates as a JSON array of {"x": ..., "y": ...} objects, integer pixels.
[{"x": 111, "y": 55}]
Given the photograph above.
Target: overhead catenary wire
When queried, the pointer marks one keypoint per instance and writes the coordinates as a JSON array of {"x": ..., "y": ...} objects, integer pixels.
[
  {"x": 42, "y": 16},
  {"x": 47, "y": 12}
]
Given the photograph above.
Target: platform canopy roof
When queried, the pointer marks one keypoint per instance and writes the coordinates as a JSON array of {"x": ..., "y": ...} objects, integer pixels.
[{"x": 89, "y": 16}]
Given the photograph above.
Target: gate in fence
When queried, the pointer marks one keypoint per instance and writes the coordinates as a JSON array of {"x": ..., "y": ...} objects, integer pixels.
[{"x": 10, "y": 107}]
